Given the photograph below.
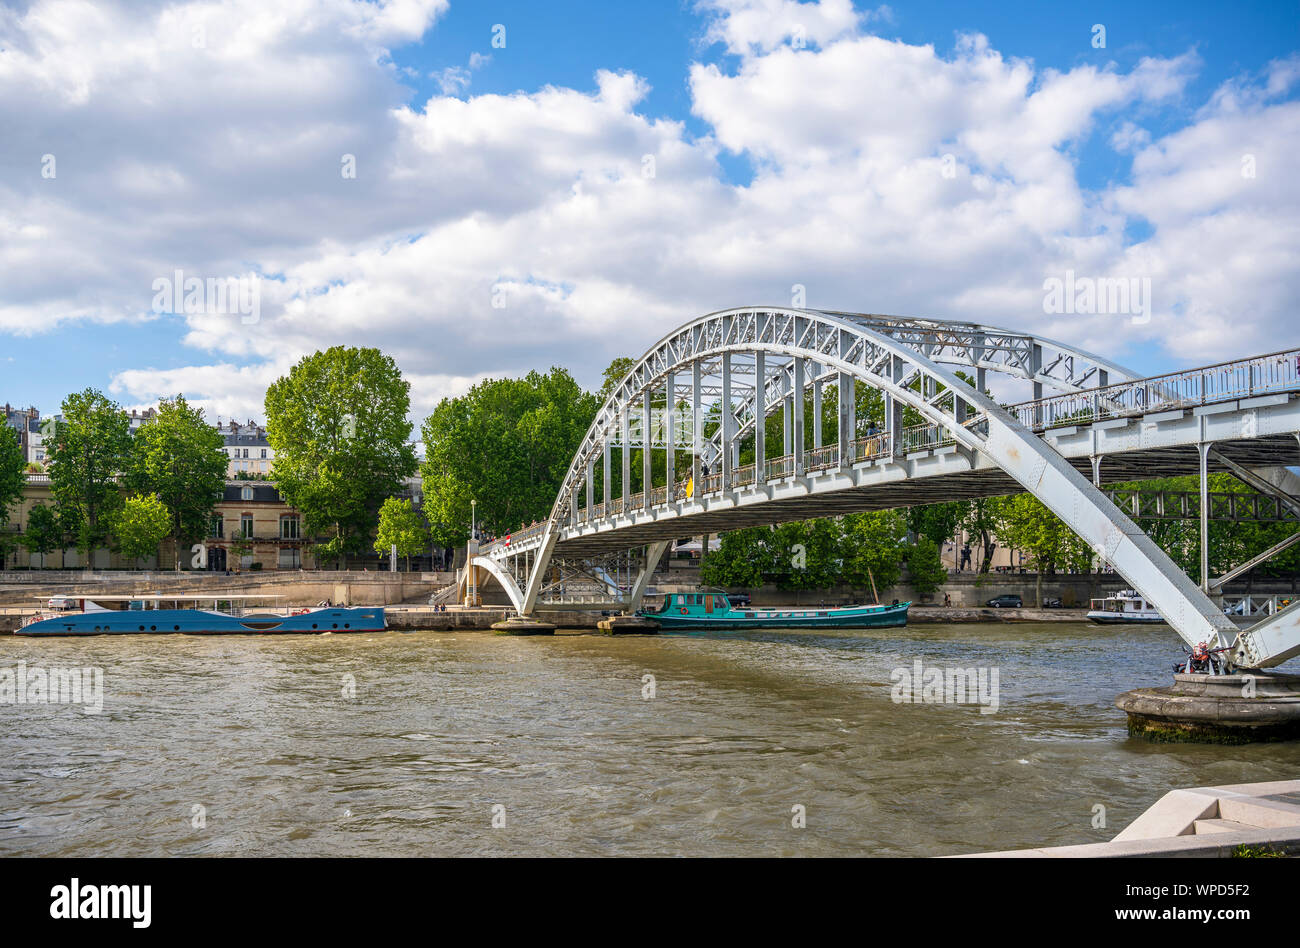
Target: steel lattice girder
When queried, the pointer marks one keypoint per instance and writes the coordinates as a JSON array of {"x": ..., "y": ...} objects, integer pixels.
[{"x": 854, "y": 348}]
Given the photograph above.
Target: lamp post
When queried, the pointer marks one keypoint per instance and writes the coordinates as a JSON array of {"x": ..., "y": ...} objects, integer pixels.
[{"x": 473, "y": 508}]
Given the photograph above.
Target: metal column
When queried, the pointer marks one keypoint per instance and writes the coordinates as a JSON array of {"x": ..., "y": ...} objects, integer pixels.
[
  {"x": 1203, "y": 450},
  {"x": 647, "y": 471},
  {"x": 728, "y": 422},
  {"x": 697, "y": 428},
  {"x": 627, "y": 460},
  {"x": 760, "y": 418},
  {"x": 670, "y": 434},
  {"x": 817, "y": 412},
  {"x": 797, "y": 400}
]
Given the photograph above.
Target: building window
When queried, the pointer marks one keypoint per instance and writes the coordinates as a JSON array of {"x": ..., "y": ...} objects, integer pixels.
[
  {"x": 289, "y": 527},
  {"x": 218, "y": 526},
  {"x": 246, "y": 525},
  {"x": 264, "y": 454},
  {"x": 290, "y": 558},
  {"x": 245, "y": 493},
  {"x": 245, "y": 452}
]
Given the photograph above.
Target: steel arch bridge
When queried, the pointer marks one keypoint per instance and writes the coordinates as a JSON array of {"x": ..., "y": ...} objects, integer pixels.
[{"x": 688, "y": 403}]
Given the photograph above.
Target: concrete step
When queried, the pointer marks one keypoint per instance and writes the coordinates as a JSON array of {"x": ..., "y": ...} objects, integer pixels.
[{"x": 1204, "y": 827}]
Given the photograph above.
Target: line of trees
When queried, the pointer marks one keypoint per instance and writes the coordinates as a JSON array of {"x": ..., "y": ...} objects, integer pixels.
[
  {"x": 863, "y": 550},
  {"x": 114, "y": 490}
]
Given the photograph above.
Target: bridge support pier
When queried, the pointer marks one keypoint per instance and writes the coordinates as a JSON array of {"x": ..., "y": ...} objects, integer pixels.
[
  {"x": 522, "y": 625},
  {"x": 1216, "y": 709},
  {"x": 628, "y": 625}
]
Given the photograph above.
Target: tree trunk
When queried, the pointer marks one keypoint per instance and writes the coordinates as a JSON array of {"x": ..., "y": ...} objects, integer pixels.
[{"x": 1038, "y": 587}]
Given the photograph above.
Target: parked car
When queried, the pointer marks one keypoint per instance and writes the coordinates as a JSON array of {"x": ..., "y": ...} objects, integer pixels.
[
  {"x": 1052, "y": 604},
  {"x": 1007, "y": 601}
]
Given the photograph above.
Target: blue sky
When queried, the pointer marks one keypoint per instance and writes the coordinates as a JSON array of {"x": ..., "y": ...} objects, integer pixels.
[{"x": 174, "y": 179}]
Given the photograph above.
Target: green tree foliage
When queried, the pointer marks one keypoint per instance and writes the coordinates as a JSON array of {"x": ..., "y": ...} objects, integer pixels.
[
  {"x": 140, "y": 525},
  {"x": 400, "y": 525},
  {"x": 808, "y": 554},
  {"x": 938, "y": 522},
  {"x": 44, "y": 532},
  {"x": 338, "y": 425},
  {"x": 12, "y": 469},
  {"x": 613, "y": 374},
  {"x": 89, "y": 451},
  {"x": 874, "y": 548},
  {"x": 743, "y": 558},
  {"x": 924, "y": 566},
  {"x": 178, "y": 456},
  {"x": 13, "y": 477},
  {"x": 811, "y": 554},
  {"x": 979, "y": 518},
  {"x": 1043, "y": 539},
  {"x": 506, "y": 443}
]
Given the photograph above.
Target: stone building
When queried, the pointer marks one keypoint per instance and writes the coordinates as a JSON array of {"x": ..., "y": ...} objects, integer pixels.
[
  {"x": 247, "y": 450},
  {"x": 251, "y": 528}
]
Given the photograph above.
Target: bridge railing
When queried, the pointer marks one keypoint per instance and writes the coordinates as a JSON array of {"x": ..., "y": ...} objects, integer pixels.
[{"x": 1244, "y": 378}]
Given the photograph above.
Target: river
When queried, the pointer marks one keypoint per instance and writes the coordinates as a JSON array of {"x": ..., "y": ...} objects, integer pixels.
[{"x": 474, "y": 744}]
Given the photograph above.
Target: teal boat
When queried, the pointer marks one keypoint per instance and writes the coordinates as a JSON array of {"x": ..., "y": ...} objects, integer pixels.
[
  {"x": 226, "y": 615},
  {"x": 709, "y": 611}
]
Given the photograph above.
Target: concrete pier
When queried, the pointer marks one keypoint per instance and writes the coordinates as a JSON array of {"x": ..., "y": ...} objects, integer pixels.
[
  {"x": 518, "y": 625},
  {"x": 628, "y": 625},
  {"x": 1216, "y": 709}
]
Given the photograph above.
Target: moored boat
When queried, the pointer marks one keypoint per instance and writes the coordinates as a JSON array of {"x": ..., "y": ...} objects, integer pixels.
[
  {"x": 711, "y": 611},
  {"x": 1125, "y": 606},
  {"x": 228, "y": 615}
]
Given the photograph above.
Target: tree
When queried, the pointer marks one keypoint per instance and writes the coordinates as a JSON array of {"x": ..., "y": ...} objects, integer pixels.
[
  {"x": 614, "y": 374},
  {"x": 873, "y": 549},
  {"x": 1042, "y": 538},
  {"x": 338, "y": 425},
  {"x": 743, "y": 558},
  {"x": 507, "y": 443},
  {"x": 925, "y": 567},
  {"x": 13, "y": 478},
  {"x": 90, "y": 448},
  {"x": 808, "y": 554},
  {"x": 45, "y": 532},
  {"x": 400, "y": 526},
  {"x": 937, "y": 521},
  {"x": 140, "y": 525},
  {"x": 178, "y": 456},
  {"x": 979, "y": 518}
]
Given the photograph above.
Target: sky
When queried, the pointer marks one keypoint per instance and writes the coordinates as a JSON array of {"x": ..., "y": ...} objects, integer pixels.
[{"x": 481, "y": 189}]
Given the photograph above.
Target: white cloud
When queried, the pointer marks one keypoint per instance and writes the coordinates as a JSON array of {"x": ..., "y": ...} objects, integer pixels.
[{"x": 545, "y": 200}]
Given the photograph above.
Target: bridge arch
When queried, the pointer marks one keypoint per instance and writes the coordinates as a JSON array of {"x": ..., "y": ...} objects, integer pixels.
[{"x": 849, "y": 348}]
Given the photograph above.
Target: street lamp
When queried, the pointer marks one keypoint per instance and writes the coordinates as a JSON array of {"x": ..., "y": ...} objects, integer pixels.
[{"x": 473, "y": 505}]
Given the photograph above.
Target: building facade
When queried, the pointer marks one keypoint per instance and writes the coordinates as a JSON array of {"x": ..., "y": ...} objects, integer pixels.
[
  {"x": 252, "y": 528},
  {"x": 248, "y": 453},
  {"x": 27, "y": 422}
]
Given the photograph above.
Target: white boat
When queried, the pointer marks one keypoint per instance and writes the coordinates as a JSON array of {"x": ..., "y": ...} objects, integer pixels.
[{"x": 1127, "y": 605}]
